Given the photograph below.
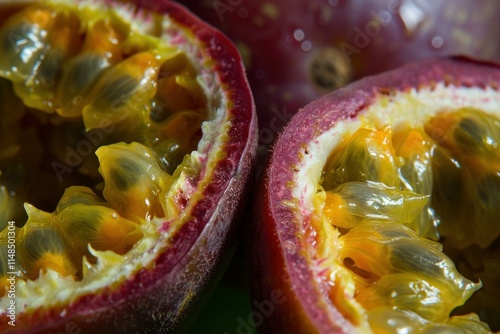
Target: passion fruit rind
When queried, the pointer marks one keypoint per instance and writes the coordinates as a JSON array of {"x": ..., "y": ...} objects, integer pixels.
[
  {"x": 306, "y": 254},
  {"x": 154, "y": 284}
]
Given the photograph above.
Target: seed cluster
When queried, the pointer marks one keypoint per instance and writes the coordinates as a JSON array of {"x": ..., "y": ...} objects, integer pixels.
[
  {"x": 392, "y": 196},
  {"x": 95, "y": 119}
]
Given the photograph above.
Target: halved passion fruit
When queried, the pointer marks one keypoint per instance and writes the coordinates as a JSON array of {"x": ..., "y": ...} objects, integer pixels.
[
  {"x": 127, "y": 135},
  {"x": 380, "y": 211}
]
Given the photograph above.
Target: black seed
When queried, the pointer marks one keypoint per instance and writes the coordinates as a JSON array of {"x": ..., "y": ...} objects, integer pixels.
[
  {"x": 159, "y": 111},
  {"x": 351, "y": 265},
  {"x": 83, "y": 73},
  {"x": 488, "y": 191},
  {"x": 50, "y": 69},
  {"x": 125, "y": 175},
  {"x": 85, "y": 226},
  {"x": 41, "y": 241},
  {"x": 116, "y": 93},
  {"x": 170, "y": 154},
  {"x": 470, "y": 135},
  {"x": 448, "y": 185}
]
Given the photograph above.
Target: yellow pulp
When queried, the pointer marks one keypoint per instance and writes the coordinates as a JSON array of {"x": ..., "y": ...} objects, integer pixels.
[{"x": 387, "y": 197}]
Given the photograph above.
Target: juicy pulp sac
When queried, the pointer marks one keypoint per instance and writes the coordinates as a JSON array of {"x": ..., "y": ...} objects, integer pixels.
[
  {"x": 389, "y": 189},
  {"x": 102, "y": 112}
]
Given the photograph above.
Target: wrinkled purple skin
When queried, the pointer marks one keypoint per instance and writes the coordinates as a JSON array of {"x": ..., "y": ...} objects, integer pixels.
[
  {"x": 279, "y": 262},
  {"x": 160, "y": 300},
  {"x": 279, "y": 39}
]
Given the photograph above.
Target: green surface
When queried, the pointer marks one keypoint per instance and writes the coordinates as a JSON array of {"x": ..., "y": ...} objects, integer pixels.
[{"x": 228, "y": 311}]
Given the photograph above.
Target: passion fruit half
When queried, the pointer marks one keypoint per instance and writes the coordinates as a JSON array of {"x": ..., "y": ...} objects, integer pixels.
[
  {"x": 128, "y": 134},
  {"x": 380, "y": 207}
]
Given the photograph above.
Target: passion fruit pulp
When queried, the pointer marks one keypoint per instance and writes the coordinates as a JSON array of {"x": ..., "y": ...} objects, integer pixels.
[
  {"x": 380, "y": 207},
  {"x": 128, "y": 132}
]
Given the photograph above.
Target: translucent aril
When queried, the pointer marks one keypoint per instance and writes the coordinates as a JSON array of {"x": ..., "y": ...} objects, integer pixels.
[
  {"x": 466, "y": 164},
  {"x": 466, "y": 132},
  {"x": 24, "y": 37},
  {"x": 404, "y": 269},
  {"x": 390, "y": 320},
  {"x": 63, "y": 41},
  {"x": 100, "y": 50},
  {"x": 135, "y": 184},
  {"x": 467, "y": 324},
  {"x": 351, "y": 203},
  {"x": 84, "y": 218},
  {"x": 41, "y": 246},
  {"x": 427, "y": 297},
  {"x": 367, "y": 156},
  {"x": 414, "y": 150},
  {"x": 385, "y": 319},
  {"x": 121, "y": 96}
]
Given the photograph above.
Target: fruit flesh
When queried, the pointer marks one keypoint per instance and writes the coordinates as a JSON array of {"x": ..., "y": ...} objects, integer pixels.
[
  {"x": 401, "y": 278},
  {"x": 138, "y": 106}
]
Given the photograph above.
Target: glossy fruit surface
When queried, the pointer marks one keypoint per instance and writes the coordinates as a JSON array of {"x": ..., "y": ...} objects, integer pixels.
[
  {"x": 379, "y": 211},
  {"x": 296, "y": 51},
  {"x": 128, "y": 133}
]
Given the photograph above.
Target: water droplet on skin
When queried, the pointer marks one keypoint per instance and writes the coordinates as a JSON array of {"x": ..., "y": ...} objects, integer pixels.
[
  {"x": 437, "y": 42},
  {"x": 298, "y": 34},
  {"x": 306, "y": 45},
  {"x": 290, "y": 247},
  {"x": 412, "y": 16}
]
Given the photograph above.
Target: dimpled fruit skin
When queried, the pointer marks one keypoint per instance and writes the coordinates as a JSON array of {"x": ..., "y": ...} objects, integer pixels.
[
  {"x": 159, "y": 300},
  {"x": 280, "y": 38},
  {"x": 280, "y": 262}
]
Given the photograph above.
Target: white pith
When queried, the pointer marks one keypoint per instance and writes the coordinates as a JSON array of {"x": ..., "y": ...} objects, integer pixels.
[{"x": 50, "y": 289}]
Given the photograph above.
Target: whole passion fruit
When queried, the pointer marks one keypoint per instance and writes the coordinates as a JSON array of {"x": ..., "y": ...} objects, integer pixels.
[
  {"x": 380, "y": 207},
  {"x": 128, "y": 133},
  {"x": 296, "y": 51}
]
